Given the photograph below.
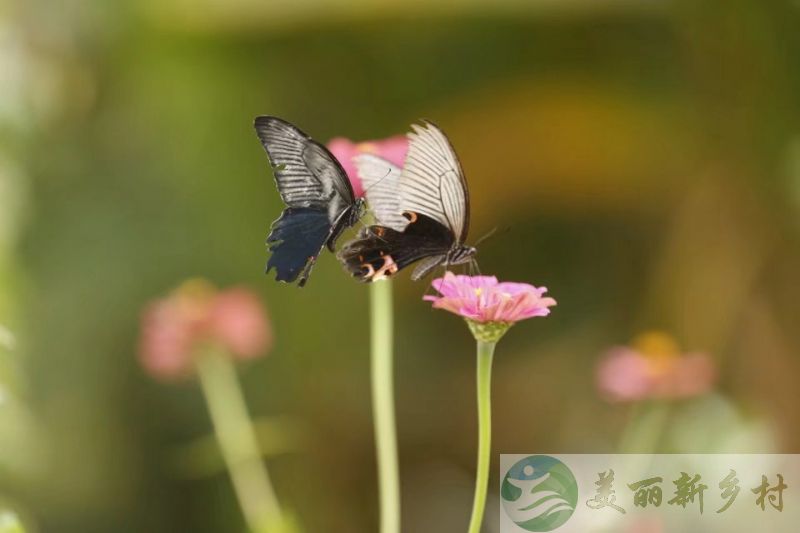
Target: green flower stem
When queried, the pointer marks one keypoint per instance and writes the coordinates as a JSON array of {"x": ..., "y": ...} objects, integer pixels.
[
  {"x": 381, "y": 321},
  {"x": 237, "y": 441},
  {"x": 645, "y": 428},
  {"x": 485, "y": 355}
]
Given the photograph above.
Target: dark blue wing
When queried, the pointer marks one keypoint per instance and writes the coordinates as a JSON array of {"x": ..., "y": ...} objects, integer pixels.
[
  {"x": 296, "y": 239},
  {"x": 316, "y": 191}
]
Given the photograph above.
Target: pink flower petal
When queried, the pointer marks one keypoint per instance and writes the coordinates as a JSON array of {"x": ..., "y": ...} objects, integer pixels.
[
  {"x": 484, "y": 299},
  {"x": 624, "y": 375},
  {"x": 239, "y": 322},
  {"x": 195, "y": 313},
  {"x": 691, "y": 375},
  {"x": 345, "y": 150},
  {"x": 165, "y": 340},
  {"x": 393, "y": 149}
]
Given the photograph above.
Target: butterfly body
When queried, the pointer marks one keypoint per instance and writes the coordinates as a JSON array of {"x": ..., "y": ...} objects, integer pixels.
[
  {"x": 381, "y": 251},
  {"x": 425, "y": 206},
  {"x": 348, "y": 218},
  {"x": 320, "y": 203}
]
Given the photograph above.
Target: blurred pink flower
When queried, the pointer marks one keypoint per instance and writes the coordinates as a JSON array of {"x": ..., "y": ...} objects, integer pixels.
[
  {"x": 483, "y": 299},
  {"x": 654, "y": 369},
  {"x": 646, "y": 524},
  {"x": 393, "y": 149},
  {"x": 197, "y": 313}
]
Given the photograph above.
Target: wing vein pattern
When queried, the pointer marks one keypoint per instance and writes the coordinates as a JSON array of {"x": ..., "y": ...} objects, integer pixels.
[
  {"x": 306, "y": 174},
  {"x": 380, "y": 178},
  {"x": 432, "y": 182},
  {"x": 318, "y": 196}
]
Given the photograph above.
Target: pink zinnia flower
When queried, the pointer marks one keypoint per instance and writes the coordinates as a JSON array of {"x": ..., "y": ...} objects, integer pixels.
[
  {"x": 195, "y": 314},
  {"x": 653, "y": 369},
  {"x": 646, "y": 524},
  {"x": 393, "y": 149},
  {"x": 483, "y": 300}
]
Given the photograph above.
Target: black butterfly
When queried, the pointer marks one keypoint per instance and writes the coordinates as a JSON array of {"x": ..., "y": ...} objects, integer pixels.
[
  {"x": 423, "y": 213},
  {"x": 319, "y": 199}
]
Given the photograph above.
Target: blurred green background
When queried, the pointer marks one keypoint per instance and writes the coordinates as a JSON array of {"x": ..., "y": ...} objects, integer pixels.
[{"x": 640, "y": 158}]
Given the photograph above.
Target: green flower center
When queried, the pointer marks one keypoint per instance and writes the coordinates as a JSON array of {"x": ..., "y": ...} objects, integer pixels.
[{"x": 488, "y": 331}]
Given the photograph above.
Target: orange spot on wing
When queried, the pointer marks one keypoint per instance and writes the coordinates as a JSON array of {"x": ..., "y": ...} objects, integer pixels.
[
  {"x": 389, "y": 267},
  {"x": 370, "y": 271},
  {"x": 411, "y": 216}
]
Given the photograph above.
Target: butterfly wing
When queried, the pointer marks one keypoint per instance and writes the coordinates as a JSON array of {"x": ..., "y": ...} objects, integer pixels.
[
  {"x": 380, "y": 178},
  {"x": 295, "y": 241},
  {"x": 380, "y": 251},
  {"x": 317, "y": 193},
  {"x": 327, "y": 169},
  {"x": 306, "y": 173},
  {"x": 426, "y": 266},
  {"x": 432, "y": 182},
  {"x": 430, "y": 193}
]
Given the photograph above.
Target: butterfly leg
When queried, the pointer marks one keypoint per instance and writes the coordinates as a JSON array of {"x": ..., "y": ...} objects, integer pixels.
[
  {"x": 473, "y": 267},
  {"x": 428, "y": 288}
]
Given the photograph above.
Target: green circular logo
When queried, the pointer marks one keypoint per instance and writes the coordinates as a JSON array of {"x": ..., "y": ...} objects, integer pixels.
[{"x": 539, "y": 493}]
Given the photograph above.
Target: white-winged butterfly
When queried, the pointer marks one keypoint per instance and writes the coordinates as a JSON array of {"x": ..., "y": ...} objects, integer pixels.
[
  {"x": 423, "y": 214},
  {"x": 319, "y": 199}
]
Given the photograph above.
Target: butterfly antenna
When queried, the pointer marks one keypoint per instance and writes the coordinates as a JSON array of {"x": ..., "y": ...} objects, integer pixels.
[
  {"x": 388, "y": 172},
  {"x": 486, "y": 235}
]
